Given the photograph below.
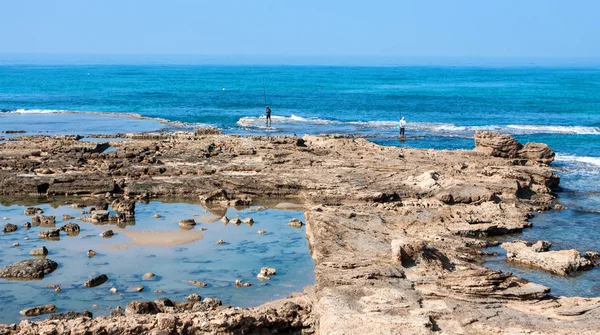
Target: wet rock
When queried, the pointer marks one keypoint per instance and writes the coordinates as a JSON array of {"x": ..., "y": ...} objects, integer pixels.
[
  {"x": 148, "y": 275},
  {"x": 26, "y": 225},
  {"x": 100, "y": 216},
  {"x": 295, "y": 223},
  {"x": 137, "y": 288},
  {"x": 225, "y": 220},
  {"x": 197, "y": 283},
  {"x": 41, "y": 251},
  {"x": 248, "y": 221},
  {"x": 221, "y": 242},
  {"x": 157, "y": 216},
  {"x": 96, "y": 281},
  {"x": 262, "y": 277},
  {"x": 235, "y": 221},
  {"x": 52, "y": 234},
  {"x": 562, "y": 262},
  {"x": 33, "y": 211},
  {"x": 72, "y": 229},
  {"x": 187, "y": 224},
  {"x": 141, "y": 307},
  {"x": 91, "y": 253},
  {"x": 16, "y": 244},
  {"x": 162, "y": 303},
  {"x": 43, "y": 221},
  {"x": 541, "y": 246},
  {"x": 505, "y": 146},
  {"x": 67, "y": 217},
  {"x": 238, "y": 283},
  {"x": 126, "y": 207},
  {"x": 268, "y": 271},
  {"x": 29, "y": 269},
  {"x": 107, "y": 233},
  {"x": 114, "y": 290},
  {"x": 9, "y": 228},
  {"x": 70, "y": 315},
  {"x": 159, "y": 292},
  {"x": 261, "y": 232},
  {"x": 193, "y": 297},
  {"x": 38, "y": 310}
]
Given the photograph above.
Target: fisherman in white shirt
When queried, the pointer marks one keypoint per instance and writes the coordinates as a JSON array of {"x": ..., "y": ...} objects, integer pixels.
[{"x": 401, "y": 126}]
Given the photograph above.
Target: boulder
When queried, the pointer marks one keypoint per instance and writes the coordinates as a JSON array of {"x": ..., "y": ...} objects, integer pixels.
[
  {"x": 126, "y": 207},
  {"x": 100, "y": 216},
  {"x": 38, "y": 310},
  {"x": 107, "y": 233},
  {"x": 193, "y": 297},
  {"x": 29, "y": 269},
  {"x": 141, "y": 307},
  {"x": 505, "y": 146},
  {"x": 295, "y": 223},
  {"x": 43, "y": 220},
  {"x": 52, "y": 234},
  {"x": 96, "y": 281},
  {"x": 9, "y": 228},
  {"x": 561, "y": 262},
  {"x": 72, "y": 229},
  {"x": 33, "y": 211},
  {"x": 41, "y": 251},
  {"x": 187, "y": 224}
]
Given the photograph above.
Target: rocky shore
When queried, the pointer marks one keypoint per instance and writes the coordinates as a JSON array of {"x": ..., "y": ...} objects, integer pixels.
[{"x": 396, "y": 234}]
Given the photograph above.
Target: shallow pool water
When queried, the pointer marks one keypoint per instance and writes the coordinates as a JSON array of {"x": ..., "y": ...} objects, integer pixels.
[{"x": 158, "y": 245}]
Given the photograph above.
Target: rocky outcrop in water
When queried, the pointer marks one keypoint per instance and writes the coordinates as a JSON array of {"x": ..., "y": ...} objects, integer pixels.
[
  {"x": 501, "y": 145},
  {"x": 29, "y": 269},
  {"x": 38, "y": 310},
  {"x": 561, "y": 262},
  {"x": 394, "y": 232}
]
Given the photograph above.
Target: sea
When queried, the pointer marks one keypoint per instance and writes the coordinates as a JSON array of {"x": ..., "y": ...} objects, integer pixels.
[{"x": 443, "y": 106}]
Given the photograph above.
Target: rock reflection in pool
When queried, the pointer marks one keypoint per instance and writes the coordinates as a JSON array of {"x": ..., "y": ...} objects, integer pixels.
[{"x": 158, "y": 245}]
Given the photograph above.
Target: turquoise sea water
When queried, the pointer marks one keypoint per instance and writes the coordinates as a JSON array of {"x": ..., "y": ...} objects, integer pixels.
[{"x": 443, "y": 107}]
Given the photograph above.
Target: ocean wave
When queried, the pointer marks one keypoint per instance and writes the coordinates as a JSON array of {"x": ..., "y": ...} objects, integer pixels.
[
  {"x": 585, "y": 160},
  {"x": 425, "y": 126}
]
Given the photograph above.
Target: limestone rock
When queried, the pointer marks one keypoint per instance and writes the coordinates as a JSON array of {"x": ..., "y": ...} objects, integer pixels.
[
  {"x": 126, "y": 207},
  {"x": 70, "y": 315},
  {"x": 29, "y": 269},
  {"x": 9, "y": 228},
  {"x": 141, "y": 307},
  {"x": 187, "y": 224},
  {"x": 41, "y": 251},
  {"x": 96, "y": 281},
  {"x": 562, "y": 262},
  {"x": 72, "y": 229},
  {"x": 91, "y": 253},
  {"x": 193, "y": 297},
  {"x": 197, "y": 283},
  {"x": 148, "y": 275},
  {"x": 295, "y": 223},
  {"x": 38, "y": 310},
  {"x": 29, "y": 211},
  {"x": 43, "y": 221},
  {"x": 52, "y": 234},
  {"x": 107, "y": 233}
]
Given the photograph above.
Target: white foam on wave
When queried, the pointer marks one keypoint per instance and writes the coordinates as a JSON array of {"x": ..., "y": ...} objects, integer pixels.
[
  {"x": 437, "y": 127},
  {"x": 585, "y": 160},
  {"x": 38, "y": 111}
]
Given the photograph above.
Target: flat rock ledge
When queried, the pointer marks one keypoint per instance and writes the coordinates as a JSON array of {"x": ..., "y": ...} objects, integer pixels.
[
  {"x": 561, "y": 262},
  {"x": 394, "y": 232}
]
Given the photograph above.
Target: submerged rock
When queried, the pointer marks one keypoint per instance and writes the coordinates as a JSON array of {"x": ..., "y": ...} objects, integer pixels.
[
  {"x": 187, "y": 224},
  {"x": 107, "y": 233},
  {"x": 96, "y": 281},
  {"x": 41, "y": 251},
  {"x": 52, "y": 234},
  {"x": 148, "y": 275},
  {"x": 43, "y": 220},
  {"x": 197, "y": 283},
  {"x": 72, "y": 229},
  {"x": 29, "y": 211},
  {"x": 9, "y": 228},
  {"x": 26, "y": 225},
  {"x": 29, "y": 269},
  {"x": 295, "y": 223},
  {"x": 221, "y": 242},
  {"x": 261, "y": 232},
  {"x": 38, "y": 310},
  {"x": 91, "y": 253}
]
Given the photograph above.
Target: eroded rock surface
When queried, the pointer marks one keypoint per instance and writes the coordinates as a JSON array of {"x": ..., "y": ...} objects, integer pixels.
[
  {"x": 393, "y": 232},
  {"x": 29, "y": 269},
  {"x": 561, "y": 262}
]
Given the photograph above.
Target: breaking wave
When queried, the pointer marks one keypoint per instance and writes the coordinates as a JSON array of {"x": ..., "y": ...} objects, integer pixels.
[{"x": 250, "y": 122}]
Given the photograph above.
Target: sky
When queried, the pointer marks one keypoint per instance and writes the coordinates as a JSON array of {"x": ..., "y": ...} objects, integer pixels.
[{"x": 459, "y": 29}]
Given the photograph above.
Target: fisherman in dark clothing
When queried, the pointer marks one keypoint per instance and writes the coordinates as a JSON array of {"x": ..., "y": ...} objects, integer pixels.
[{"x": 268, "y": 114}]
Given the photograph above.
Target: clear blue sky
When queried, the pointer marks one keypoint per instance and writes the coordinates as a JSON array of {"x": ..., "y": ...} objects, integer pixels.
[{"x": 379, "y": 28}]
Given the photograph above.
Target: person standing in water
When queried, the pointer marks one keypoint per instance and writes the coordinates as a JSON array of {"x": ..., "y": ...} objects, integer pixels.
[
  {"x": 268, "y": 115},
  {"x": 402, "y": 126}
]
